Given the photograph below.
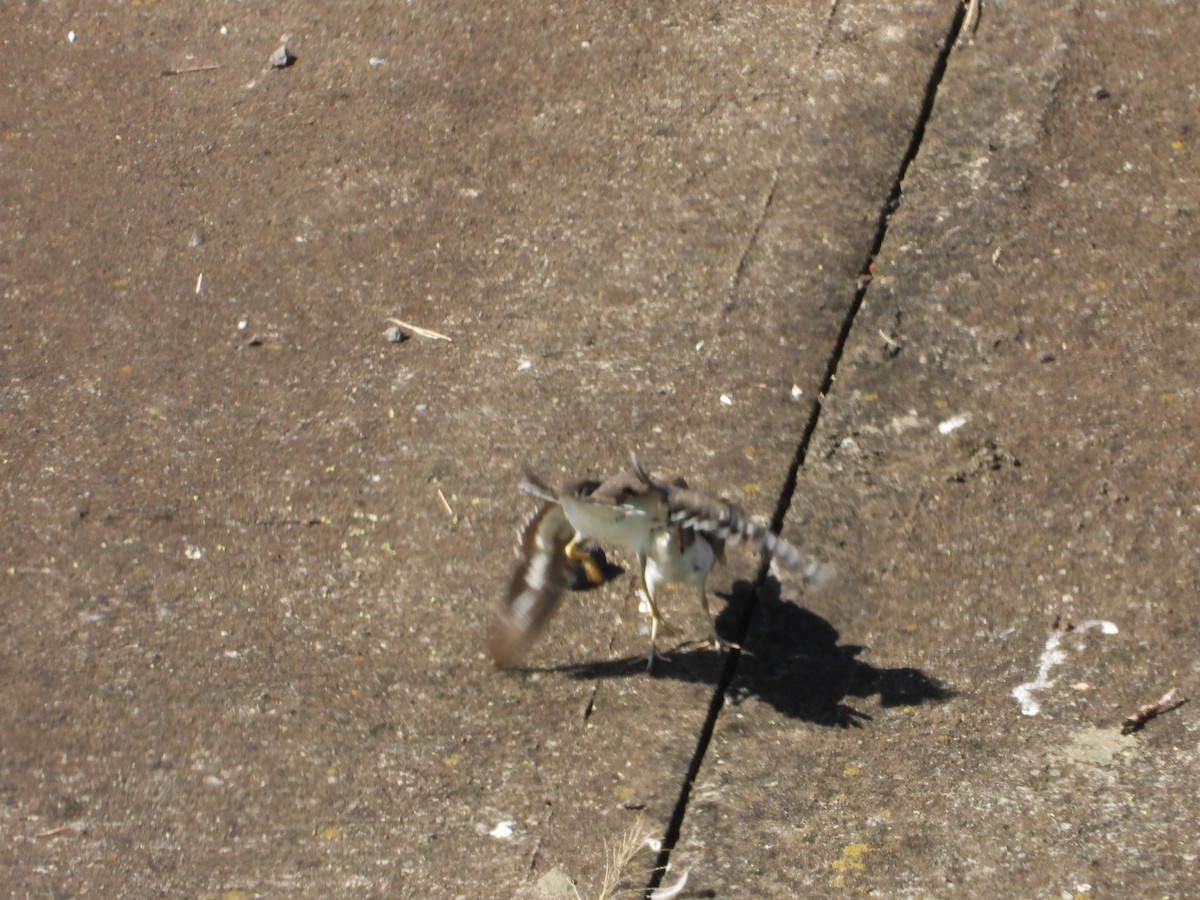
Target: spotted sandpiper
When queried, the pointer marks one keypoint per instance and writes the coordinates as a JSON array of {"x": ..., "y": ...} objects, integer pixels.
[{"x": 675, "y": 533}]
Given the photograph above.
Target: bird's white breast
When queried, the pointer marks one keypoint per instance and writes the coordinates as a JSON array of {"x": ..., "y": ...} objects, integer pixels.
[{"x": 667, "y": 563}]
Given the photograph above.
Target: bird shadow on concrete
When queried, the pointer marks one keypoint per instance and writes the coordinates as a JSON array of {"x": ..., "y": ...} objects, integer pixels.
[
  {"x": 796, "y": 663},
  {"x": 791, "y": 659}
]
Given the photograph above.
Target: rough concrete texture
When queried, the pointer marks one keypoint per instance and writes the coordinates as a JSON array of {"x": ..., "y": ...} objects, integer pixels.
[{"x": 242, "y": 632}]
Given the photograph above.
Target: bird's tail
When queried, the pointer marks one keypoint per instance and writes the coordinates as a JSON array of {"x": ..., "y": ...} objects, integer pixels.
[{"x": 731, "y": 525}]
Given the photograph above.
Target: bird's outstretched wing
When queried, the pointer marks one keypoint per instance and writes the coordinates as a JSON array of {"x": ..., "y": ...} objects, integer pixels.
[{"x": 544, "y": 571}]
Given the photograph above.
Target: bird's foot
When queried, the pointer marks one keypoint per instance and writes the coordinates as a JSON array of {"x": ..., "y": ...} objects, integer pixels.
[
  {"x": 716, "y": 642},
  {"x": 658, "y": 625},
  {"x": 651, "y": 657}
]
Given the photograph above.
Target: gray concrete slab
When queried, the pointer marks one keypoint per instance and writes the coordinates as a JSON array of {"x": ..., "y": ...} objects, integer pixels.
[
  {"x": 242, "y": 632},
  {"x": 1036, "y": 285}
]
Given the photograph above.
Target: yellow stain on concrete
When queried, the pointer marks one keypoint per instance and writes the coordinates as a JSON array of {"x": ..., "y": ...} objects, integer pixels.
[{"x": 850, "y": 864}]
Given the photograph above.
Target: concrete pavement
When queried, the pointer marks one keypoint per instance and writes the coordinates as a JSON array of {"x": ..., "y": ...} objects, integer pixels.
[{"x": 242, "y": 628}]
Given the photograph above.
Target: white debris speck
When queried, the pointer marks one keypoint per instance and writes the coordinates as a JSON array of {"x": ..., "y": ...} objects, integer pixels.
[
  {"x": 232, "y": 654},
  {"x": 502, "y": 831},
  {"x": 699, "y": 346},
  {"x": 213, "y": 781},
  {"x": 954, "y": 423},
  {"x": 797, "y": 392},
  {"x": 901, "y": 424},
  {"x": 242, "y": 324},
  {"x": 193, "y": 552},
  {"x": 199, "y": 282},
  {"x": 70, "y": 37},
  {"x": 726, "y": 400},
  {"x": 376, "y": 62},
  {"x": 524, "y": 366},
  {"x": 850, "y": 447},
  {"x": 224, "y": 30}
]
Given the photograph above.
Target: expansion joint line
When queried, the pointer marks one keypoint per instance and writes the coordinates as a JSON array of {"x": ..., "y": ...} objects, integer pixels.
[{"x": 890, "y": 204}]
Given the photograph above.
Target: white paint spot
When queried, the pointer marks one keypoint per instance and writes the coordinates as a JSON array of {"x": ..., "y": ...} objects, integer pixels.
[{"x": 1052, "y": 656}]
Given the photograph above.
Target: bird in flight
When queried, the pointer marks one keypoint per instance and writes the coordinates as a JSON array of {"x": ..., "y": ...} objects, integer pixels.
[{"x": 675, "y": 534}]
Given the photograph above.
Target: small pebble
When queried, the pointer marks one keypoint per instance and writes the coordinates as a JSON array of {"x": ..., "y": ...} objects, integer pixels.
[
  {"x": 395, "y": 335},
  {"x": 283, "y": 57},
  {"x": 1045, "y": 356}
]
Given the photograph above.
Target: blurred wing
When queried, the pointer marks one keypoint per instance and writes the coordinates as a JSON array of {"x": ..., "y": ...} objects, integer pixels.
[
  {"x": 537, "y": 584},
  {"x": 543, "y": 572}
]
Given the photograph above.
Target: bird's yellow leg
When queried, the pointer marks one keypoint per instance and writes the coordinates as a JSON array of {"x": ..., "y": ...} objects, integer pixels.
[
  {"x": 656, "y": 616},
  {"x": 717, "y": 641}
]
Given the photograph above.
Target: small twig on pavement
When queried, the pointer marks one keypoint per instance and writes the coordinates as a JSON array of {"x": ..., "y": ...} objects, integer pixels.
[
  {"x": 1138, "y": 720},
  {"x": 417, "y": 329},
  {"x": 71, "y": 828},
  {"x": 188, "y": 70},
  {"x": 971, "y": 17}
]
